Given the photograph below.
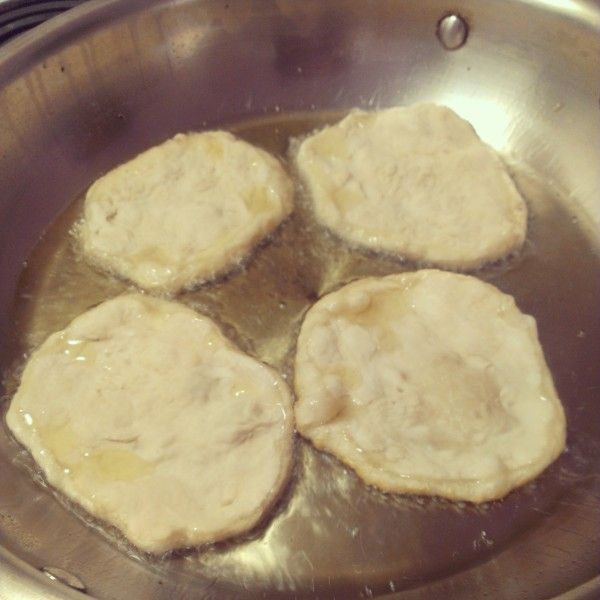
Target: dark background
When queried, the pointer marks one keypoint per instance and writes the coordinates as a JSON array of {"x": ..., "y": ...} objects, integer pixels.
[{"x": 17, "y": 16}]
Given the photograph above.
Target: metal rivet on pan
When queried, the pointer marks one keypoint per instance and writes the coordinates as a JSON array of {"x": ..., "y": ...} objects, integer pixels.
[
  {"x": 64, "y": 577},
  {"x": 452, "y": 31}
]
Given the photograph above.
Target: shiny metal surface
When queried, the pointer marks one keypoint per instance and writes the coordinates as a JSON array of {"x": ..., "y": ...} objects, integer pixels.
[
  {"x": 84, "y": 93},
  {"x": 452, "y": 31},
  {"x": 64, "y": 577}
]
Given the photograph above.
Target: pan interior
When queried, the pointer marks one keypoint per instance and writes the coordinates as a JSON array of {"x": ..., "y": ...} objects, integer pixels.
[{"x": 331, "y": 534}]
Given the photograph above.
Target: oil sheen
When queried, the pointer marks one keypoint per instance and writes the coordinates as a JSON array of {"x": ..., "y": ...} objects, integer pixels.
[{"x": 331, "y": 531}]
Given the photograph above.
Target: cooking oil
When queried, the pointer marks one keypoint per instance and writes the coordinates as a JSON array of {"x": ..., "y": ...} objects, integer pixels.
[{"x": 330, "y": 527}]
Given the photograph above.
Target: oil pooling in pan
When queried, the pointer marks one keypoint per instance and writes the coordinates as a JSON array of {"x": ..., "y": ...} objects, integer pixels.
[{"x": 331, "y": 530}]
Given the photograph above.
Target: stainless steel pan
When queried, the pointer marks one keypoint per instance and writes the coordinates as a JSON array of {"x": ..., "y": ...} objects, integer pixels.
[{"x": 93, "y": 87}]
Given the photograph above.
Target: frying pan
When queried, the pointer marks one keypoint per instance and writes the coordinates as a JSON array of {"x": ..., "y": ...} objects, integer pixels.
[{"x": 104, "y": 81}]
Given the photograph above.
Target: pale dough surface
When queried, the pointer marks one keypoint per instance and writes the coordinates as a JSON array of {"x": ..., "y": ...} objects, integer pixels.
[
  {"x": 428, "y": 382},
  {"x": 185, "y": 211},
  {"x": 416, "y": 182},
  {"x": 146, "y": 415}
]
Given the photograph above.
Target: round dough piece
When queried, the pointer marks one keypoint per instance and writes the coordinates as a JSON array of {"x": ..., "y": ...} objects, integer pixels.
[
  {"x": 184, "y": 211},
  {"x": 430, "y": 383},
  {"x": 146, "y": 415},
  {"x": 417, "y": 182}
]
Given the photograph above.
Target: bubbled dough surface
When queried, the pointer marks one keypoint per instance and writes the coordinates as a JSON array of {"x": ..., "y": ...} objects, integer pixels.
[
  {"x": 146, "y": 415},
  {"x": 428, "y": 382},
  {"x": 414, "y": 181},
  {"x": 184, "y": 211}
]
